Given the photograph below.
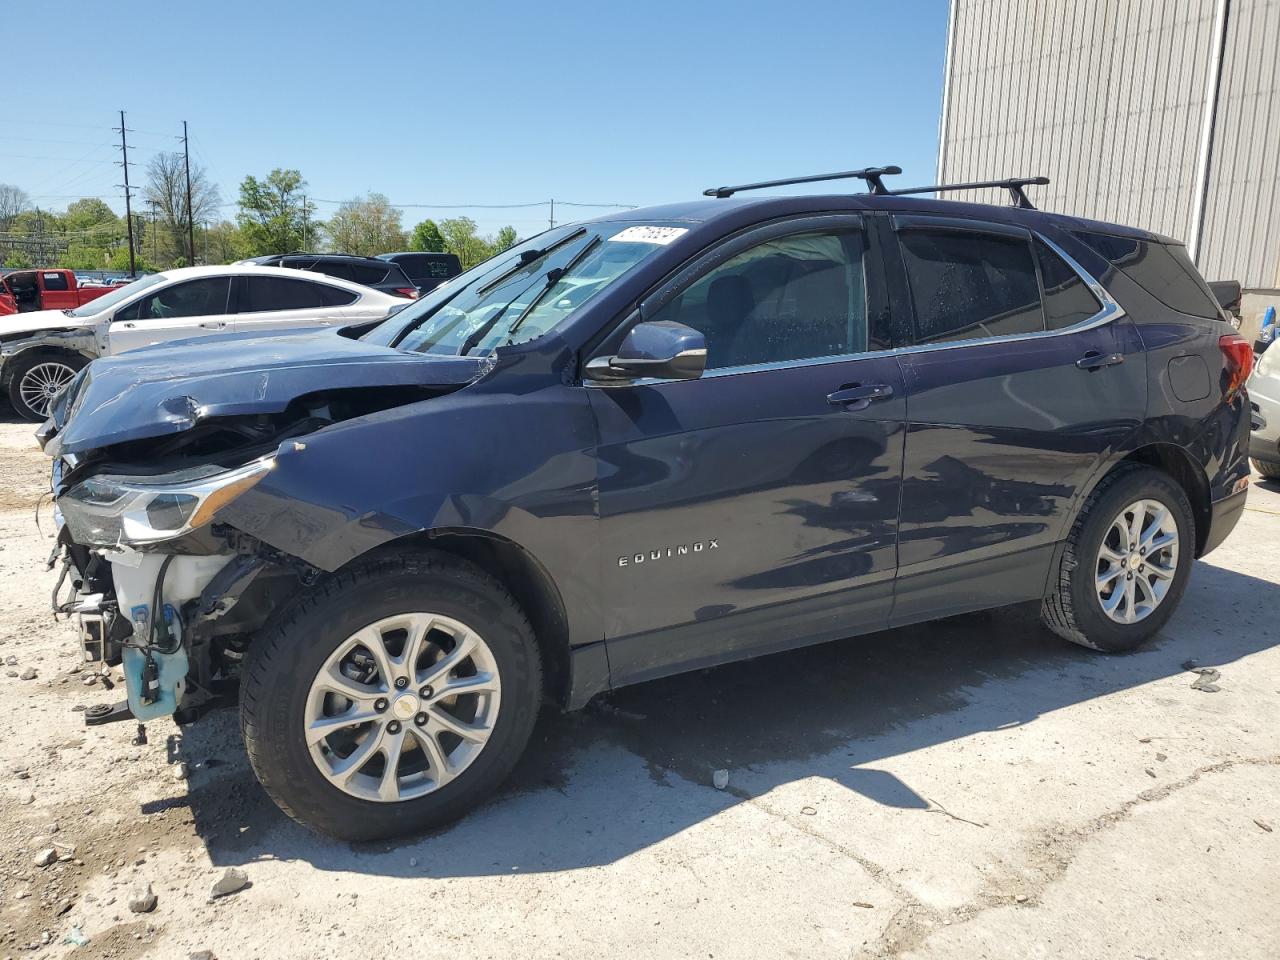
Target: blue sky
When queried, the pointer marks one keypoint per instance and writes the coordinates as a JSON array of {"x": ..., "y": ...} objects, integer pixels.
[{"x": 478, "y": 102}]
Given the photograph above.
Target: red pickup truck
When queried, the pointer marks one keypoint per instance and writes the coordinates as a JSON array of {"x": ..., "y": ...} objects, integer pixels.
[{"x": 25, "y": 290}]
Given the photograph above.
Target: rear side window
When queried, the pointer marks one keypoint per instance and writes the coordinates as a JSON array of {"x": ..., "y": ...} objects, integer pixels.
[
  {"x": 1162, "y": 269},
  {"x": 368, "y": 274},
  {"x": 336, "y": 296},
  {"x": 259, "y": 294},
  {"x": 967, "y": 285},
  {"x": 55, "y": 281},
  {"x": 1067, "y": 299}
]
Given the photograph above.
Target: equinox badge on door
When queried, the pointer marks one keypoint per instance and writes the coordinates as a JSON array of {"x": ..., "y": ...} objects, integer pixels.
[{"x": 677, "y": 550}]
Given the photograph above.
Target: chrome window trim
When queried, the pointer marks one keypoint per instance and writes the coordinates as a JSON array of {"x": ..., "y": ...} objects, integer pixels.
[{"x": 1110, "y": 312}]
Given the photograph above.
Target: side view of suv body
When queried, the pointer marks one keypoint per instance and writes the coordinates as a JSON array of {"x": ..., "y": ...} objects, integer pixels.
[
  {"x": 367, "y": 271},
  {"x": 638, "y": 446}
]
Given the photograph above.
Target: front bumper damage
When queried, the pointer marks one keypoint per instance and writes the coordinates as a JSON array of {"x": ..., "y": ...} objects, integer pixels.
[{"x": 178, "y": 667}]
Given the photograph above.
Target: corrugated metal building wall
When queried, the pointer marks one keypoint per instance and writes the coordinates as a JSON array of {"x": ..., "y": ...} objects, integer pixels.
[{"x": 1137, "y": 110}]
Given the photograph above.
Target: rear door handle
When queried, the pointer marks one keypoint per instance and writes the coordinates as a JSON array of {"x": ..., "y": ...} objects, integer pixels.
[
  {"x": 1093, "y": 360},
  {"x": 857, "y": 396}
]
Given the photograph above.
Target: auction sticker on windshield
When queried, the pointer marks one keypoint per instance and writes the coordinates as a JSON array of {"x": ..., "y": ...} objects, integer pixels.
[{"x": 658, "y": 235}]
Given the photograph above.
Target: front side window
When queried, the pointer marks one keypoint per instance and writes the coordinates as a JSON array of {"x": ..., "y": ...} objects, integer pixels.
[
  {"x": 524, "y": 292},
  {"x": 968, "y": 285},
  {"x": 793, "y": 298},
  {"x": 205, "y": 297},
  {"x": 108, "y": 300},
  {"x": 262, "y": 294}
]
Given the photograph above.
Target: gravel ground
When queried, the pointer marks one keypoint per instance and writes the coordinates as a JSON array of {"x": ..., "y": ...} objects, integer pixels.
[{"x": 973, "y": 788}]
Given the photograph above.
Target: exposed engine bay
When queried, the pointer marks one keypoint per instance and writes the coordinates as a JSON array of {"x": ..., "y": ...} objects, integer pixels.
[{"x": 158, "y": 584}]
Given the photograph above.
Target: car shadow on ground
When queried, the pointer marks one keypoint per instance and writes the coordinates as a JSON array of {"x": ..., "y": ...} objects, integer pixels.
[{"x": 636, "y": 767}]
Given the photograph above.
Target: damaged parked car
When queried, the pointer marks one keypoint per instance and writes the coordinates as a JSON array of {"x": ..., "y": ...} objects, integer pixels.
[
  {"x": 649, "y": 443},
  {"x": 41, "y": 351}
]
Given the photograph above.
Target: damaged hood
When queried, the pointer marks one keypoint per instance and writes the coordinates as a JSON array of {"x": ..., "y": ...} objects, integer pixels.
[
  {"x": 166, "y": 389},
  {"x": 18, "y": 323}
]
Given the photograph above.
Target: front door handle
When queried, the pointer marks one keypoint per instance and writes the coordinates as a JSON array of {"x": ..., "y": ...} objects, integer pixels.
[
  {"x": 213, "y": 325},
  {"x": 858, "y": 396},
  {"x": 1093, "y": 360}
]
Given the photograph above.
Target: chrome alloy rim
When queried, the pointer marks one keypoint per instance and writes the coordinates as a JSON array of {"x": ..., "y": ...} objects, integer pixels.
[
  {"x": 402, "y": 707},
  {"x": 1137, "y": 561},
  {"x": 41, "y": 384}
]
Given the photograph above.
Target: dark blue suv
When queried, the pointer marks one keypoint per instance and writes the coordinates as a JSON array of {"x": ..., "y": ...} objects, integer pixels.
[{"x": 637, "y": 446}]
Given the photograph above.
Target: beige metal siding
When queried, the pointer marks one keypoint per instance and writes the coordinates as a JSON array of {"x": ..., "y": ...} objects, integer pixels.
[
  {"x": 1242, "y": 218},
  {"x": 1108, "y": 99}
]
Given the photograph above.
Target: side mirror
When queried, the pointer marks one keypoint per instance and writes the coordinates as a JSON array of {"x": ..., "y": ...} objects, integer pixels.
[{"x": 660, "y": 349}]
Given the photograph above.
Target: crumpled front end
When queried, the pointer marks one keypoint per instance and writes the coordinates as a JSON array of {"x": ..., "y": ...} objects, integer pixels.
[{"x": 146, "y": 465}]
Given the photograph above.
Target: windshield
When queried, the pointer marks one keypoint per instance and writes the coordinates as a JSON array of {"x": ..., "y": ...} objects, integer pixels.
[
  {"x": 524, "y": 292},
  {"x": 120, "y": 294}
]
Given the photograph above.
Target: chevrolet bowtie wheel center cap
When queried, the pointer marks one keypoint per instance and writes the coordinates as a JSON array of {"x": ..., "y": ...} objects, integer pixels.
[{"x": 405, "y": 707}]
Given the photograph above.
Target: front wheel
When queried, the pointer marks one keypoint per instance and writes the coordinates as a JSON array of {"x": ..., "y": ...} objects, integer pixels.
[
  {"x": 1126, "y": 562},
  {"x": 392, "y": 698},
  {"x": 39, "y": 377}
]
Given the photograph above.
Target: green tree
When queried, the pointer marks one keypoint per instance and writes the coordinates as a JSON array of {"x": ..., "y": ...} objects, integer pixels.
[
  {"x": 220, "y": 242},
  {"x": 460, "y": 237},
  {"x": 80, "y": 256},
  {"x": 119, "y": 261},
  {"x": 18, "y": 260},
  {"x": 505, "y": 239},
  {"x": 427, "y": 238},
  {"x": 366, "y": 227},
  {"x": 275, "y": 216},
  {"x": 89, "y": 212}
]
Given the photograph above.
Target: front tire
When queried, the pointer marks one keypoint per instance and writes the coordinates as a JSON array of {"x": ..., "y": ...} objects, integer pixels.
[
  {"x": 1268, "y": 469},
  {"x": 37, "y": 377},
  {"x": 391, "y": 698},
  {"x": 1125, "y": 564}
]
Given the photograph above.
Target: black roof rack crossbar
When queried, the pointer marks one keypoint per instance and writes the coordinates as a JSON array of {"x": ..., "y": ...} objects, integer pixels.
[
  {"x": 1013, "y": 184},
  {"x": 870, "y": 174}
]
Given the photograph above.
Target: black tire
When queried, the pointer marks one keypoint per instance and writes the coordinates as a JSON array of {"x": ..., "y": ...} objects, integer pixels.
[
  {"x": 22, "y": 367},
  {"x": 1073, "y": 609},
  {"x": 284, "y": 659},
  {"x": 1268, "y": 469}
]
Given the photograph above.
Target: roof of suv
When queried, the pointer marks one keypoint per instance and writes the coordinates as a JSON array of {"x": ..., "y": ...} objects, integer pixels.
[{"x": 756, "y": 208}]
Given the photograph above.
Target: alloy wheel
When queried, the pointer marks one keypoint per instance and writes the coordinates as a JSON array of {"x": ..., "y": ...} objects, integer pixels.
[
  {"x": 402, "y": 707},
  {"x": 1137, "y": 561},
  {"x": 42, "y": 383}
]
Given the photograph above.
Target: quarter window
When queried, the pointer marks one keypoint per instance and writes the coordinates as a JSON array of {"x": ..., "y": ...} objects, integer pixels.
[
  {"x": 968, "y": 285},
  {"x": 261, "y": 294},
  {"x": 1067, "y": 300},
  {"x": 55, "y": 281},
  {"x": 793, "y": 298}
]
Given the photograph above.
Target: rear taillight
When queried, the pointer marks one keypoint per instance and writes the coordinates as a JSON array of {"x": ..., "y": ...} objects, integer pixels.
[
  {"x": 410, "y": 292},
  {"x": 1237, "y": 355}
]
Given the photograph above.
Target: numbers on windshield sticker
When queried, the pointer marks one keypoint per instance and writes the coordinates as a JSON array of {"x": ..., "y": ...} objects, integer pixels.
[{"x": 656, "y": 235}]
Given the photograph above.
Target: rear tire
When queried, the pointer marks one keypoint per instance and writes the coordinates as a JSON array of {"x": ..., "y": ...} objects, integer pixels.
[
  {"x": 320, "y": 782},
  {"x": 1269, "y": 470},
  {"x": 1093, "y": 568},
  {"x": 36, "y": 377}
]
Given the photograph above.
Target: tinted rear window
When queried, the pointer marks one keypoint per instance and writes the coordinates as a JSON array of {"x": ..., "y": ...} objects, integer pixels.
[
  {"x": 55, "y": 281},
  {"x": 258, "y": 294},
  {"x": 969, "y": 285},
  {"x": 1162, "y": 269}
]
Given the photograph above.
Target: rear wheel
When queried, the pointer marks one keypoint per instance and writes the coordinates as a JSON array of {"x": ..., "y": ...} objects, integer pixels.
[
  {"x": 1268, "y": 469},
  {"x": 393, "y": 698},
  {"x": 1126, "y": 562},
  {"x": 37, "y": 378}
]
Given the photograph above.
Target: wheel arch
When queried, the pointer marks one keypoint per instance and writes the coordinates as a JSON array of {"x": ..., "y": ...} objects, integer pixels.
[
  {"x": 1187, "y": 473},
  {"x": 519, "y": 571}
]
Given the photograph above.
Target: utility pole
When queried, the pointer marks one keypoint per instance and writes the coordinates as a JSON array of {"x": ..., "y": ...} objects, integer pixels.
[
  {"x": 191, "y": 227},
  {"x": 304, "y": 223},
  {"x": 128, "y": 210},
  {"x": 155, "y": 256},
  {"x": 553, "y": 212}
]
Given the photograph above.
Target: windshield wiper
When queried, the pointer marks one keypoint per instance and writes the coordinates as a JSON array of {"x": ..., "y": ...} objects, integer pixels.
[
  {"x": 553, "y": 277},
  {"x": 526, "y": 258}
]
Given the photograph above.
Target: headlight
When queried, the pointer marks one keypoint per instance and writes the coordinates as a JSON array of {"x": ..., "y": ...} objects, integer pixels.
[{"x": 104, "y": 511}]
